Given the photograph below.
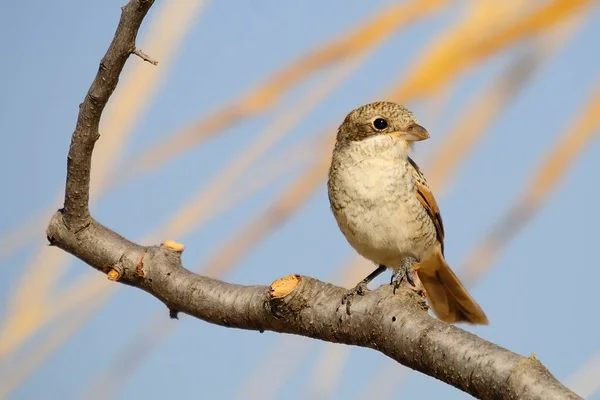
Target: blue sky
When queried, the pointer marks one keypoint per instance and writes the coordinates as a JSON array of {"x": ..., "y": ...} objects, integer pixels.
[{"x": 539, "y": 295}]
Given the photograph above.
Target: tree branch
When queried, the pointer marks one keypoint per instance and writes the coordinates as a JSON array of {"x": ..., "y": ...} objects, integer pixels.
[
  {"x": 79, "y": 161},
  {"x": 396, "y": 325}
]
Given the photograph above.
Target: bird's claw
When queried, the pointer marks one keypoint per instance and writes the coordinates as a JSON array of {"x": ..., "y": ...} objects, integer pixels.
[
  {"x": 407, "y": 271},
  {"x": 358, "y": 290}
]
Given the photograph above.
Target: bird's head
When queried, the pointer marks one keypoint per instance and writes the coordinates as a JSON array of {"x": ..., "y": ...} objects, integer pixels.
[{"x": 379, "y": 119}]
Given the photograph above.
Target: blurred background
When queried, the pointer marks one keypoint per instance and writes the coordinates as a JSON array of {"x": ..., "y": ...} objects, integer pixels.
[{"x": 224, "y": 146}]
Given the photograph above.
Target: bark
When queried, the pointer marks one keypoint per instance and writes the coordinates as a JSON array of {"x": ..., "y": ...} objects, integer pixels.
[{"x": 395, "y": 325}]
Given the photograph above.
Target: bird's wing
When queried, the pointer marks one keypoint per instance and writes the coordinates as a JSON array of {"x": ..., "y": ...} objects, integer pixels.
[{"x": 426, "y": 198}]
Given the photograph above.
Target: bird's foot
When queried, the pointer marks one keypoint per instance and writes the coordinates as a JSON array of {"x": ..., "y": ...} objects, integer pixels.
[
  {"x": 408, "y": 271},
  {"x": 361, "y": 288},
  {"x": 358, "y": 290}
]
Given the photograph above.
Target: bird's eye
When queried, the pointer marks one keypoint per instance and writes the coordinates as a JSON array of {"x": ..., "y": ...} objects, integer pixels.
[{"x": 380, "y": 124}]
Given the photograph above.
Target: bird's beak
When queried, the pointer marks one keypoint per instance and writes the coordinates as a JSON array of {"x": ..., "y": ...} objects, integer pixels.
[{"x": 412, "y": 133}]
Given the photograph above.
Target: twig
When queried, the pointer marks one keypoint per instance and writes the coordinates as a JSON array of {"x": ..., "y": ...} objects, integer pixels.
[
  {"x": 144, "y": 56},
  {"x": 79, "y": 161}
]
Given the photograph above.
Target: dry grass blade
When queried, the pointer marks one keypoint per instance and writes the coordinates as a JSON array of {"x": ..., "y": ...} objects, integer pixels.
[
  {"x": 327, "y": 370},
  {"x": 479, "y": 114},
  {"x": 31, "y": 306},
  {"x": 329, "y": 366},
  {"x": 58, "y": 335},
  {"x": 223, "y": 261},
  {"x": 135, "y": 93},
  {"x": 202, "y": 207},
  {"x": 291, "y": 199},
  {"x": 91, "y": 289},
  {"x": 586, "y": 380},
  {"x": 547, "y": 178},
  {"x": 39, "y": 310},
  {"x": 483, "y": 110},
  {"x": 106, "y": 385},
  {"x": 86, "y": 288},
  {"x": 281, "y": 360},
  {"x": 358, "y": 41},
  {"x": 209, "y": 197},
  {"x": 549, "y": 16},
  {"x": 201, "y": 211},
  {"x": 123, "y": 112},
  {"x": 443, "y": 63},
  {"x": 291, "y": 159},
  {"x": 17, "y": 238}
]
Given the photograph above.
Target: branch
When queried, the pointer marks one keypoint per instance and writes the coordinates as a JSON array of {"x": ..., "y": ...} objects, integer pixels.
[
  {"x": 396, "y": 325},
  {"x": 79, "y": 162}
]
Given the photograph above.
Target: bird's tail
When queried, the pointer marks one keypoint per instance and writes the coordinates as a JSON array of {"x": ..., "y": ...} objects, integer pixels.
[{"x": 447, "y": 296}]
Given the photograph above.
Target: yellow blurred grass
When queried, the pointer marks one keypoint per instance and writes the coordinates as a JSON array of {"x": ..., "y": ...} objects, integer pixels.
[
  {"x": 68, "y": 325},
  {"x": 221, "y": 262},
  {"x": 285, "y": 121},
  {"x": 483, "y": 110},
  {"x": 17, "y": 237},
  {"x": 210, "y": 199},
  {"x": 92, "y": 289},
  {"x": 259, "y": 100},
  {"x": 280, "y": 361},
  {"x": 34, "y": 304},
  {"x": 577, "y": 136},
  {"x": 474, "y": 41},
  {"x": 288, "y": 202},
  {"x": 134, "y": 94},
  {"x": 586, "y": 380},
  {"x": 127, "y": 106}
]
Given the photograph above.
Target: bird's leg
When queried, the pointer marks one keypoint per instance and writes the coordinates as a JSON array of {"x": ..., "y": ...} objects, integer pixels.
[
  {"x": 361, "y": 288},
  {"x": 406, "y": 271}
]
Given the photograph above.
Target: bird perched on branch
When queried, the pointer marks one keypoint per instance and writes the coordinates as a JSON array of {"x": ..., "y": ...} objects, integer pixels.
[{"x": 386, "y": 211}]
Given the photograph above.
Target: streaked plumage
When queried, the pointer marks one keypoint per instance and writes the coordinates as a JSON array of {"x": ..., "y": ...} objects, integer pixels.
[{"x": 385, "y": 209}]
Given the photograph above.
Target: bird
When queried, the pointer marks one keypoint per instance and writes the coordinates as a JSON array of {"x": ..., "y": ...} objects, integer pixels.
[{"x": 387, "y": 212}]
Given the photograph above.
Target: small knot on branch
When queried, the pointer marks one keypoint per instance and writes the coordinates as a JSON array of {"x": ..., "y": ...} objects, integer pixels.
[
  {"x": 172, "y": 245},
  {"x": 139, "y": 268},
  {"x": 286, "y": 295},
  {"x": 113, "y": 275},
  {"x": 283, "y": 286}
]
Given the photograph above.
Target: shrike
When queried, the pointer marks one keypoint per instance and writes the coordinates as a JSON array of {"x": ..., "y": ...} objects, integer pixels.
[{"x": 386, "y": 211}]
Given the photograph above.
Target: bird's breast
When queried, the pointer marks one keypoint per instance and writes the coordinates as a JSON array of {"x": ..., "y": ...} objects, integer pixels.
[{"x": 373, "y": 200}]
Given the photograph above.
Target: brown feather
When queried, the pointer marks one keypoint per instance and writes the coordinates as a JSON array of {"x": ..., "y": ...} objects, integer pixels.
[
  {"x": 426, "y": 198},
  {"x": 447, "y": 296}
]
